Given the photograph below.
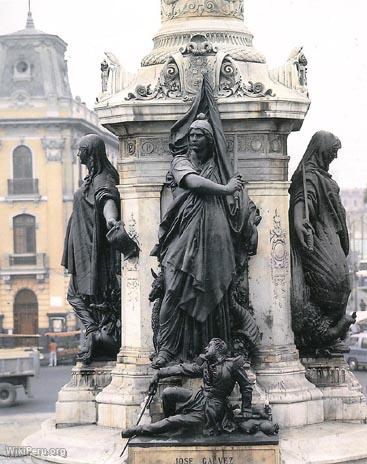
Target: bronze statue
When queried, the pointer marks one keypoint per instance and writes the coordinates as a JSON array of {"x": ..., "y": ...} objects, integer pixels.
[
  {"x": 205, "y": 239},
  {"x": 93, "y": 242},
  {"x": 320, "y": 246},
  {"x": 208, "y": 411}
]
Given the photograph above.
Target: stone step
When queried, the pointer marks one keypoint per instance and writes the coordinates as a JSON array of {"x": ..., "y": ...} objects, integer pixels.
[{"x": 326, "y": 443}]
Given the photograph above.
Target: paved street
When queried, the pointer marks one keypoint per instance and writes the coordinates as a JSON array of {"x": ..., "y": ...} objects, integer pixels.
[
  {"x": 44, "y": 389},
  {"x": 26, "y": 416}
]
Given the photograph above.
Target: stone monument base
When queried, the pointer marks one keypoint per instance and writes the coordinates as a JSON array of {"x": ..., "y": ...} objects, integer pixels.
[
  {"x": 343, "y": 396},
  {"x": 330, "y": 442},
  {"x": 226, "y": 449},
  {"x": 76, "y": 403}
]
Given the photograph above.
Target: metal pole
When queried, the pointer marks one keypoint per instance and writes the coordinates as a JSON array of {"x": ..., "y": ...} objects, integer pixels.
[
  {"x": 355, "y": 261},
  {"x": 362, "y": 233}
]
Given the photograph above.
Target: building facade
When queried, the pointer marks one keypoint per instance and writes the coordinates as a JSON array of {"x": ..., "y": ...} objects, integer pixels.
[
  {"x": 40, "y": 126},
  {"x": 354, "y": 201}
]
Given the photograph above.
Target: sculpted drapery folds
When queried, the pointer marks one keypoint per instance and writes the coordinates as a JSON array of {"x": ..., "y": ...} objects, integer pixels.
[
  {"x": 320, "y": 245},
  {"x": 205, "y": 239},
  {"x": 94, "y": 290}
]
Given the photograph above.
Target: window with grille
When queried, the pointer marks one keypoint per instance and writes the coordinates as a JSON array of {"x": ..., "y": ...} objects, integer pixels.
[
  {"x": 22, "y": 182},
  {"x": 22, "y": 163},
  {"x": 24, "y": 227}
]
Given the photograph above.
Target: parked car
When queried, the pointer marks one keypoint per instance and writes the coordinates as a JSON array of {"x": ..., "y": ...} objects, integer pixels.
[
  {"x": 17, "y": 367},
  {"x": 357, "y": 356}
]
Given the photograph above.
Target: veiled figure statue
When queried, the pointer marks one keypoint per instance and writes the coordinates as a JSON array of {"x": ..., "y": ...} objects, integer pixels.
[
  {"x": 320, "y": 246},
  {"x": 205, "y": 239},
  {"x": 93, "y": 242}
]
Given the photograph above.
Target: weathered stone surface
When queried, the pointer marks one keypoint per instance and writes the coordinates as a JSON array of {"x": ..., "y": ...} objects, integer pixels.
[
  {"x": 332, "y": 442},
  {"x": 213, "y": 450},
  {"x": 343, "y": 396},
  {"x": 279, "y": 373},
  {"x": 171, "y": 9},
  {"x": 76, "y": 402}
]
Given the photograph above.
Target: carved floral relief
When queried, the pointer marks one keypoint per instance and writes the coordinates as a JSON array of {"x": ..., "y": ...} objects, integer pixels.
[
  {"x": 171, "y": 9},
  {"x": 182, "y": 74}
]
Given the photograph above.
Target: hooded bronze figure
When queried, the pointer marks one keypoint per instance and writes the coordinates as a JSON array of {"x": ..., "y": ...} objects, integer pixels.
[
  {"x": 320, "y": 246},
  {"x": 90, "y": 257}
]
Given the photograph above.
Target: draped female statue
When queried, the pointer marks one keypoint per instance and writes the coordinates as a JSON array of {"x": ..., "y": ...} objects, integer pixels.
[
  {"x": 320, "y": 246},
  {"x": 205, "y": 239},
  {"x": 93, "y": 242}
]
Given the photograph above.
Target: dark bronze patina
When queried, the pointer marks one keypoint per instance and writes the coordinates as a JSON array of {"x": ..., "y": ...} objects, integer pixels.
[
  {"x": 94, "y": 239},
  {"x": 320, "y": 246},
  {"x": 208, "y": 411},
  {"x": 205, "y": 240}
]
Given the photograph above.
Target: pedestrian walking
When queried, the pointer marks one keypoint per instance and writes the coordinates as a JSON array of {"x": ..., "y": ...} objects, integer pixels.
[{"x": 53, "y": 353}]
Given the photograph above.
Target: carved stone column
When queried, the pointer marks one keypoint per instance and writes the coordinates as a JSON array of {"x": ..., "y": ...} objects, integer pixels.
[
  {"x": 279, "y": 372},
  {"x": 142, "y": 173}
]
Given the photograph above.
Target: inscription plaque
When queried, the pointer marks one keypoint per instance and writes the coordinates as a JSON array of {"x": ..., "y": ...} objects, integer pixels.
[
  {"x": 222, "y": 449},
  {"x": 267, "y": 454}
]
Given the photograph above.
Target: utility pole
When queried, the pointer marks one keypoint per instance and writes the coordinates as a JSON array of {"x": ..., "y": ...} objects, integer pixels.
[
  {"x": 362, "y": 233},
  {"x": 355, "y": 266}
]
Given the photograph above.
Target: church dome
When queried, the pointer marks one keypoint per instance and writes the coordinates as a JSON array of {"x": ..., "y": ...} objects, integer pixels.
[{"x": 32, "y": 65}]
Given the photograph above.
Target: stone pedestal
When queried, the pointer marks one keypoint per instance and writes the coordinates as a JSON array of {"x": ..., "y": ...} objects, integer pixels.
[
  {"x": 230, "y": 449},
  {"x": 76, "y": 404},
  {"x": 343, "y": 397},
  {"x": 332, "y": 443},
  {"x": 258, "y": 114},
  {"x": 119, "y": 403},
  {"x": 279, "y": 372}
]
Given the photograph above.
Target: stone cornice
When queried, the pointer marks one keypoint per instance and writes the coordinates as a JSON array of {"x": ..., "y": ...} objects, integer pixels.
[
  {"x": 26, "y": 36},
  {"x": 75, "y": 123},
  {"x": 267, "y": 108}
]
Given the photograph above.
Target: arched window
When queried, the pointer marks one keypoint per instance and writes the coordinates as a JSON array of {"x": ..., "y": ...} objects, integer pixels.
[
  {"x": 24, "y": 229},
  {"x": 22, "y": 163},
  {"x": 25, "y": 312},
  {"x": 22, "y": 182}
]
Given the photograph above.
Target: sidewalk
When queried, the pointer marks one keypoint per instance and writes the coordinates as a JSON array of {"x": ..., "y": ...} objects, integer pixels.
[{"x": 13, "y": 430}]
